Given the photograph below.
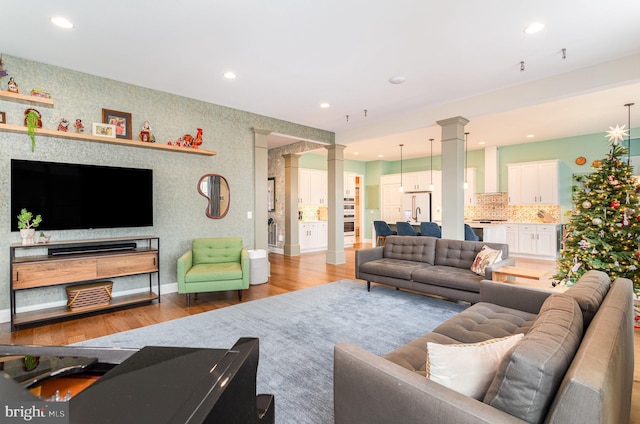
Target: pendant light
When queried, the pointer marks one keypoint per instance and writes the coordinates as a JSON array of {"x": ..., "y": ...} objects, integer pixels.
[
  {"x": 401, "y": 186},
  {"x": 431, "y": 179},
  {"x": 628, "y": 106},
  {"x": 466, "y": 183}
]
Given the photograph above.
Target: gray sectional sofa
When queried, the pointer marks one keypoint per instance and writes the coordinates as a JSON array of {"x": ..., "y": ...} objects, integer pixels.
[
  {"x": 429, "y": 265},
  {"x": 573, "y": 365}
]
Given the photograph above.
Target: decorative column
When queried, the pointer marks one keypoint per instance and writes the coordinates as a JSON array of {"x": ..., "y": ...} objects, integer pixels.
[
  {"x": 335, "y": 188},
  {"x": 261, "y": 174},
  {"x": 291, "y": 227},
  {"x": 453, "y": 177}
]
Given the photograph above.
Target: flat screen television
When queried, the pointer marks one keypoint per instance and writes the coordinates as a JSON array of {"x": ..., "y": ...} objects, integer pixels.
[{"x": 74, "y": 196}]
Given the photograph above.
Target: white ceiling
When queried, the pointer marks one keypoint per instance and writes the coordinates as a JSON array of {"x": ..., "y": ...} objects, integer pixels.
[{"x": 459, "y": 57}]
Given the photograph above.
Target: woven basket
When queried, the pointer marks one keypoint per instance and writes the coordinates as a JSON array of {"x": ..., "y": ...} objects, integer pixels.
[{"x": 81, "y": 296}]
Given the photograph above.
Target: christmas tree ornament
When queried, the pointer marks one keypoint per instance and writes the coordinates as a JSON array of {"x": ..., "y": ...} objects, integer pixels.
[
  {"x": 586, "y": 204},
  {"x": 615, "y": 204},
  {"x": 596, "y": 221}
]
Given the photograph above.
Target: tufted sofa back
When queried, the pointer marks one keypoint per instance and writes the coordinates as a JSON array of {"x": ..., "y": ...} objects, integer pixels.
[
  {"x": 216, "y": 250},
  {"x": 418, "y": 249},
  {"x": 461, "y": 254}
]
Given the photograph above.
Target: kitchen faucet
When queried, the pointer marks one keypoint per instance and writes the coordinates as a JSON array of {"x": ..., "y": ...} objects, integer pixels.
[{"x": 417, "y": 211}]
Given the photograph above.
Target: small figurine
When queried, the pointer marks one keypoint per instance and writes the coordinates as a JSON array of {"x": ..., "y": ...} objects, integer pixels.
[
  {"x": 198, "y": 140},
  {"x": 38, "y": 114},
  {"x": 187, "y": 140},
  {"x": 79, "y": 126},
  {"x": 63, "y": 125},
  {"x": 3, "y": 73},
  {"x": 146, "y": 134},
  {"x": 12, "y": 86}
]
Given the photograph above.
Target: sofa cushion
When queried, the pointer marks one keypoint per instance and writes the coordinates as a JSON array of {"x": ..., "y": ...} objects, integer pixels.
[
  {"x": 589, "y": 291},
  {"x": 530, "y": 374},
  {"x": 480, "y": 322},
  {"x": 394, "y": 268},
  {"x": 462, "y": 253},
  {"x": 485, "y": 257},
  {"x": 447, "y": 276},
  {"x": 467, "y": 368},
  {"x": 417, "y": 249}
]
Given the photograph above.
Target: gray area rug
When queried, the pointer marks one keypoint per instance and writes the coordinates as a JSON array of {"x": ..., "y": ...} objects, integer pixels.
[{"x": 297, "y": 332}]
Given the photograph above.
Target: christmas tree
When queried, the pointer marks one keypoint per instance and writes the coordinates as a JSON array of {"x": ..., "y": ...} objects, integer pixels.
[{"x": 604, "y": 230}]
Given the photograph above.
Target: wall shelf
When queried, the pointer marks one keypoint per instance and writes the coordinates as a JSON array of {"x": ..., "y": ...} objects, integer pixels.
[
  {"x": 25, "y": 98},
  {"x": 99, "y": 139}
]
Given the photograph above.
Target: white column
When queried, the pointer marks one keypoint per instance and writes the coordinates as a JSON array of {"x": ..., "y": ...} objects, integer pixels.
[
  {"x": 261, "y": 174},
  {"x": 453, "y": 177},
  {"x": 291, "y": 240},
  {"x": 335, "y": 185}
]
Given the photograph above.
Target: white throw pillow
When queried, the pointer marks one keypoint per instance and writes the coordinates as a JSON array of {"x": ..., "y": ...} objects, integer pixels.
[
  {"x": 485, "y": 257},
  {"x": 468, "y": 368}
]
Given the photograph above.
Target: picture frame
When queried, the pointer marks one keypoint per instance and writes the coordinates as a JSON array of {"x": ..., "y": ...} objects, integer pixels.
[
  {"x": 104, "y": 130},
  {"x": 3, "y": 118},
  {"x": 120, "y": 120},
  {"x": 271, "y": 194}
]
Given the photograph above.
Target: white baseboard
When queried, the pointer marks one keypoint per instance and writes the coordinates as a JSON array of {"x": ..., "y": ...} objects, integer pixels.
[{"x": 5, "y": 314}]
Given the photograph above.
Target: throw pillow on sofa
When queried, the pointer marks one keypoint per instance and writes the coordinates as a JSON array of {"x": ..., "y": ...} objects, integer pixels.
[
  {"x": 468, "y": 368},
  {"x": 485, "y": 257}
]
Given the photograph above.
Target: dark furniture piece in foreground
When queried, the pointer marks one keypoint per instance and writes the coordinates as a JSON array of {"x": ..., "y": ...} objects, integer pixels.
[
  {"x": 574, "y": 364},
  {"x": 171, "y": 385}
]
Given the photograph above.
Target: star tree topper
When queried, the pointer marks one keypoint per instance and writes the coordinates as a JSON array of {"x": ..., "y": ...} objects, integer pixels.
[{"x": 617, "y": 133}]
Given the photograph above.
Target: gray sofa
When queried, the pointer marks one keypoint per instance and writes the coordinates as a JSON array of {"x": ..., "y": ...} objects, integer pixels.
[
  {"x": 429, "y": 265},
  {"x": 573, "y": 365}
]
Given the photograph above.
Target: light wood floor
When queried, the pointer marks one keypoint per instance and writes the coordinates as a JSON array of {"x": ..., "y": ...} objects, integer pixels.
[{"x": 287, "y": 274}]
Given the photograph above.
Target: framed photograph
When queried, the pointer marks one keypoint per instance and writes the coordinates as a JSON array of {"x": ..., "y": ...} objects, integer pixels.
[
  {"x": 104, "y": 130},
  {"x": 271, "y": 194},
  {"x": 3, "y": 118},
  {"x": 121, "y": 120}
]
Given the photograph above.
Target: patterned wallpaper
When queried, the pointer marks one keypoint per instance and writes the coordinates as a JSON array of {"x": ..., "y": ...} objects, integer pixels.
[
  {"x": 495, "y": 206},
  {"x": 179, "y": 211}
]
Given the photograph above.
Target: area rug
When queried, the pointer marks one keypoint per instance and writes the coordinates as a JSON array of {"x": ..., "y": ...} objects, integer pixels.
[{"x": 297, "y": 333}]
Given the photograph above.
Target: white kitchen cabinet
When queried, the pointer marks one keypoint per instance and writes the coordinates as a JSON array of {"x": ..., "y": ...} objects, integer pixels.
[
  {"x": 416, "y": 181},
  {"x": 533, "y": 183},
  {"x": 512, "y": 237},
  {"x": 392, "y": 198},
  {"x": 312, "y": 187},
  {"x": 470, "y": 191},
  {"x": 536, "y": 240},
  {"x": 436, "y": 197},
  {"x": 494, "y": 234},
  {"x": 349, "y": 185},
  {"x": 313, "y": 236}
]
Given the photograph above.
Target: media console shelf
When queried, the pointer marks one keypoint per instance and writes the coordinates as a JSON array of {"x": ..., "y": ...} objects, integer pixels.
[{"x": 81, "y": 261}]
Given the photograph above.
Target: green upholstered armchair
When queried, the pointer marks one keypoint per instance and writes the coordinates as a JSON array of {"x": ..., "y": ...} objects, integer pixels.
[{"x": 214, "y": 264}]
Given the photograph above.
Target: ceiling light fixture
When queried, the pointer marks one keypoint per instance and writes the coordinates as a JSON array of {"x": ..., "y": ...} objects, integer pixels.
[
  {"x": 62, "y": 22},
  {"x": 431, "y": 179},
  {"x": 324, "y": 105},
  {"x": 401, "y": 187},
  {"x": 398, "y": 79},
  {"x": 230, "y": 75},
  {"x": 531, "y": 135},
  {"x": 521, "y": 65},
  {"x": 564, "y": 53},
  {"x": 482, "y": 143},
  {"x": 534, "y": 27}
]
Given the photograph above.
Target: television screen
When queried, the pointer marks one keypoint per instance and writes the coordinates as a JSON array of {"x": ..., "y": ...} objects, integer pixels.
[{"x": 73, "y": 196}]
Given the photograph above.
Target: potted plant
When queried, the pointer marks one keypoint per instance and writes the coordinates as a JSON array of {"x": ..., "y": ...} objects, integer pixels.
[{"x": 27, "y": 224}]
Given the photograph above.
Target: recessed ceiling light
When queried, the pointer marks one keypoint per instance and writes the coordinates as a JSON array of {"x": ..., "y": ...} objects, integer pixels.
[
  {"x": 324, "y": 105},
  {"x": 531, "y": 135},
  {"x": 482, "y": 143},
  {"x": 398, "y": 79},
  {"x": 230, "y": 75},
  {"x": 534, "y": 27},
  {"x": 62, "y": 22},
  {"x": 380, "y": 156},
  {"x": 356, "y": 153}
]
